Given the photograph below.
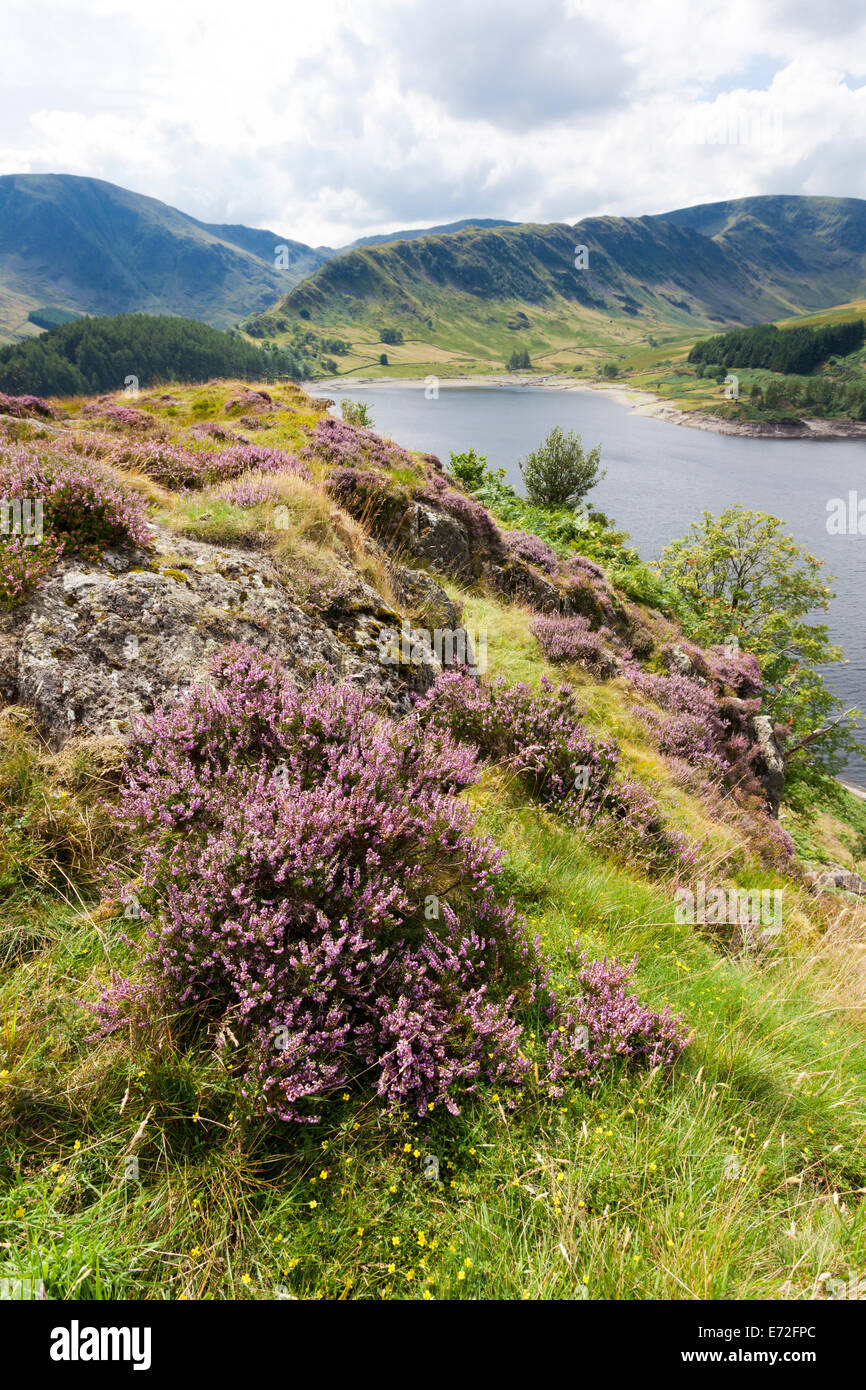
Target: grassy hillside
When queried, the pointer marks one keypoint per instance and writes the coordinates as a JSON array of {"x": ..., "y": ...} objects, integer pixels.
[
  {"x": 466, "y": 301},
  {"x": 83, "y": 244},
  {"x": 134, "y": 1166}
]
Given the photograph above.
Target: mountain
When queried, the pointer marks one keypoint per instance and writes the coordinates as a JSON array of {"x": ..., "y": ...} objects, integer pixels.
[
  {"x": 810, "y": 252},
  {"x": 415, "y": 232},
  {"x": 86, "y": 245},
  {"x": 471, "y": 295}
]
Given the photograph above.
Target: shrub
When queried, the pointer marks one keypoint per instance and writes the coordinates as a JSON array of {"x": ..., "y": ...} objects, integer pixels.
[
  {"x": 571, "y": 639},
  {"x": 311, "y": 878},
  {"x": 121, "y": 417},
  {"x": 343, "y": 444},
  {"x": 84, "y": 512},
  {"x": 176, "y": 467},
  {"x": 468, "y": 468},
  {"x": 357, "y": 413},
  {"x": 21, "y": 406},
  {"x": 542, "y": 738},
  {"x": 529, "y": 547},
  {"x": 559, "y": 471}
]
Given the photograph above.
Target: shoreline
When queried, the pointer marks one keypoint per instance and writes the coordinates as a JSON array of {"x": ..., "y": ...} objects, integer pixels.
[{"x": 639, "y": 402}]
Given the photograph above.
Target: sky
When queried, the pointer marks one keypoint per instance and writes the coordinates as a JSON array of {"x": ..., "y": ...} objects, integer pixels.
[{"x": 334, "y": 119}]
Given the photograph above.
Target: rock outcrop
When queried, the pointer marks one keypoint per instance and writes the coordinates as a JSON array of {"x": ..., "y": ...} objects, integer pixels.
[{"x": 101, "y": 644}]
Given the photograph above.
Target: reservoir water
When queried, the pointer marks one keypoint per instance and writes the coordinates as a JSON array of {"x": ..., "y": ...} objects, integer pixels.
[{"x": 660, "y": 477}]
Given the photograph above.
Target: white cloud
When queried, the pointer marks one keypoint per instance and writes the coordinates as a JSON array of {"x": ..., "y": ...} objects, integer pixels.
[{"x": 330, "y": 121}]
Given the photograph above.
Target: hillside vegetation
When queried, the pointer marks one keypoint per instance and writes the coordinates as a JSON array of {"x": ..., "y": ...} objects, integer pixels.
[
  {"x": 101, "y": 354},
  {"x": 331, "y": 973}
]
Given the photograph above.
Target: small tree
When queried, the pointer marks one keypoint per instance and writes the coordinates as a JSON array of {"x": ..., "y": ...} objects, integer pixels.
[
  {"x": 468, "y": 469},
  {"x": 383, "y": 359},
  {"x": 519, "y": 361},
  {"x": 559, "y": 473},
  {"x": 356, "y": 413},
  {"x": 742, "y": 575}
]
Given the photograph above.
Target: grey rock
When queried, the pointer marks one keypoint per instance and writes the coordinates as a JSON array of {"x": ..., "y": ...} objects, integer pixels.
[{"x": 98, "y": 646}]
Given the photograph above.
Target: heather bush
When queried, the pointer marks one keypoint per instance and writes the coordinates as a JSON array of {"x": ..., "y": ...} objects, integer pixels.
[
  {"x": 249, "y": 492},
  {"x": 83, "y": 512},
  {"x": 22, "y": 406},
  {"x": 176, "y": 467},
  {"x": 122, "y": 417},
  {"x": 617, "y": 1026},
  {"x": 311, "y": 880},
  {"x": 571, "y": 639},
  {"x": 528, "y": 547},
  {"x": 249, "y": 402},
  {"x": 343, "y": 444},
  {"x": 684, "y": 717},
  {"x": 542, "y": 738}
]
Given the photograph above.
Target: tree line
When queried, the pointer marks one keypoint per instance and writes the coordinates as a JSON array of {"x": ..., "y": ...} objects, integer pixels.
[
  {"x": 98, "y": 354},
  {"x": 796, "y": 351}
]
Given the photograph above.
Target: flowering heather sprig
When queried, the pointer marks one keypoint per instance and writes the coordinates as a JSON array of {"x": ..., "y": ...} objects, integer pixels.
[
  {"x": 526, "y": 546},
  {"x": 339, "y": 443},
  {"x": 309, "y": 870},
  {"x": 84, "y": 512},
  {"x": 571, "y": 639},
  {"x": 542, "y": 737},
  {"x": 21, "y": 406}
]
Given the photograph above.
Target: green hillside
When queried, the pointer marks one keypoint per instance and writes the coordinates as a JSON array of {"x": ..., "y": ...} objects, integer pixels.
[
  {"x": 465, "y": 301},
  {"x": 141, "y": 1153},
  {"x": 87, "y": 245}
]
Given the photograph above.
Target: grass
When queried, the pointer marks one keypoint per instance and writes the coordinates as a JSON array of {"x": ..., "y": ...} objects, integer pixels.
[{"x": 130, "y": 1168}]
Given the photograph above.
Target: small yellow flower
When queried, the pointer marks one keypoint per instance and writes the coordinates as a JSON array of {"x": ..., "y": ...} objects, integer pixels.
[
  {"x": 407, "y": 1148},
  {"x": 195, "y": 1251},
  {"x": 427, "y": 1294},
  {"x": 19, "y": 1212},
  {"x": 460, "y": 1274},
  {"x": 468, "y": 1264},
  {"x": 391, "y": 1269},
  {"x": 195, "y": 1118},
  {"x": 345, "y": 1095},
  {"x": 323, "y": 1175},
  {"x": 77, "y": 1144},
  {"x": 395, "y": 1240},
  {"x": 313, "y": 1205},
  {"x": 245, "y": 1279},
  {"x": 55, "y": 1167},
  {"x": 277, "y": 1240}
]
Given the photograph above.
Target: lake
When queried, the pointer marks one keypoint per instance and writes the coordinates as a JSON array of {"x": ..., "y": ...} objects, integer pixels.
[{"x": 660, "y": 477}]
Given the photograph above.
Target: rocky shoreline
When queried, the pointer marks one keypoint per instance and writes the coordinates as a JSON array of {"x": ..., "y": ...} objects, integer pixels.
[{"x": 639, "y": 402}]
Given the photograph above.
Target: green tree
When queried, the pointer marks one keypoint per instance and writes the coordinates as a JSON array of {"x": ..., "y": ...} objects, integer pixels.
[
  {"x": 468, "y": 469},
  {"x": 742, "y": 575},
  {"x": 519, "y": 361},
  {"x": 558, "y": 472},
  {"x": 356, "y": 413}
]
